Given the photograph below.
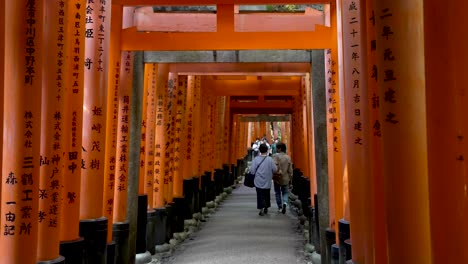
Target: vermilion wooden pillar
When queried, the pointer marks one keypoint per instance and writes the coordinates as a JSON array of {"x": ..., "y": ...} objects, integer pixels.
[
  {"x": 357, "y": 130},
  {"x": 21, "y": 134},
  {"x": 401, "y": 82},
  {"x": 189, "y": 128},
  {"x": 160, "y": 141},
  {"x": 123, "y": 137},
  {"x": 95, "y": 109},
  {"x": 51, "y": 162},
  {"x": 376, "y": 174},
  {"x": 142, "y": 173},
  {"x": 2, "y": 74},
  {"x": 335, "y": 147},
  {"x": 72, "y": 125},
  {"x": 172, "y": 85},
  {"x": 150, "y": 130},
  {"x": 112, "y": 117},
  {"x": 196, "y": 126},
  {"x": 179, "y": 138},
  {"x": 447, "y": 124}
]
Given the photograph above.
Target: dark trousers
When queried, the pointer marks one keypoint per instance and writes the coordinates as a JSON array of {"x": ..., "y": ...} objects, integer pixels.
[{"x": 263, "y": 198}]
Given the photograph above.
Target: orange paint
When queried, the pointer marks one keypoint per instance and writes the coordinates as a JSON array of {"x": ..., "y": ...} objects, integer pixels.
[
  {"x": 123, "y": 138},
  {"x": 376, "y": 174},
  {"x": 206, "y": 22},
  {"x": 142, "y": 176},
  {"x": 404, "y": 124},
  {"x": 189, "y": 128},
  {"x": 112, "y": 117},
  {"x": 311, "y": 143},
  {"x": 72, "y": 127},
  {"x": 334, "y": 111},
  {"x": 95, "y": 110},
  {"x": 447, "y": 127},
  {"x": 160, "y": 141},
  {"x": 2, "y": 74},
  {"x": 197, "y": 130},
  {"x": 209, "y": 2},
  {"x": 21, "y": 133},
  {"x": 135, "y": 40},
  {"x": 357, "y": 131},
  {"x": 180, "y": 97},
  {"x": 170, "y": 140},
  {"x": 150, "y": 130},
  {"x": 51, "y": 161}
]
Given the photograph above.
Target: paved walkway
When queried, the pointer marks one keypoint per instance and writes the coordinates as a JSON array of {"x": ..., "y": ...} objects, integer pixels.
[{"x": 235, "y": 233}]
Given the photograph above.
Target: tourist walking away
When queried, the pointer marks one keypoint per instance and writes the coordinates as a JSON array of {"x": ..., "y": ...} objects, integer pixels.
[
  {"x": 282, "y": 177},
  {"x": 263, "y": 167}
]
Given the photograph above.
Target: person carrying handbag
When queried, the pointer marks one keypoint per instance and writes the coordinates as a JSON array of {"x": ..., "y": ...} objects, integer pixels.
[{"x": 263, "y": 167}]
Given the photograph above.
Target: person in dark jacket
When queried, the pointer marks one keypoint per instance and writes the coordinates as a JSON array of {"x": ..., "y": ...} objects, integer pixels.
[{"x": 263, "y": 167}]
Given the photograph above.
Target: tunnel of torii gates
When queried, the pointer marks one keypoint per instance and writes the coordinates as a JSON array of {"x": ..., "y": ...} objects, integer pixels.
[{"x": 98, "y": 142}]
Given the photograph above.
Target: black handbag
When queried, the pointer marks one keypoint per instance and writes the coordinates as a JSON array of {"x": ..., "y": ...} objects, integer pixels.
[{"x": 249, "y": 177}]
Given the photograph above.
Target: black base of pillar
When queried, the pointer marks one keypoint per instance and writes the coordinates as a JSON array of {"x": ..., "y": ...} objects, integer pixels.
[
  {"x": 110, "y": 253},
  {"x": 330, "y": 236},
  {"x": 151, "y": 231},
  {"x": 188, "y": 188},
  {"x": 73, "y": 251},
  {"x": 226, "y": 178},
  {"x": 347, "y": 243},
  {"x": 335, "y": 254},
  {"x": 170, "y": 221},
  {"x": 120, "y": 234},
  {"x": 233, "y": 174},
  {"x": 160, "y": 226},
  {"x": 205, "y": 181},
  {"x": 179, "y": 208},
  {"x": 317, "y": 222},
  {"x": 141, "y": 224},
  {"x": 94, "y": 233},
  {"x": 218, "y": 179},
  {"x": 196, "y": 195},
  {"x": 59, "y": 260},
  {"x": 343, "y": 234}
]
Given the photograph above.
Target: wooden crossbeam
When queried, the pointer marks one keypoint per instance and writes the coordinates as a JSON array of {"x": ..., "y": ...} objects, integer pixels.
[
  {"x": 147, "y": 20},
  {"x": 264, "y": 118},
  {"x": 133, "y": 40},
  {"x": 214, "y": 2},
  {"x": 239, "y": 68},
  {"x": 269, "y": 87}
]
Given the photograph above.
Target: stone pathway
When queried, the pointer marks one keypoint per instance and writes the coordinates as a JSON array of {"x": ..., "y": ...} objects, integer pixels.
[{"x": 235, "y": 233}]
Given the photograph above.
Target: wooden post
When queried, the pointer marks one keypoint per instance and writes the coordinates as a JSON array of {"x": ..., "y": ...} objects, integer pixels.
[
  {"x": 94, "y": 116},
  {"x": 401, "y": 83},
  {"x": 160, "y": 143},
  {"x": 150, "y": 131},
  {"x": 22, "y": 128},
  {"x": 72, "y": 126},
  {"x": 197, "y": 128},
  {"x": 179, "y": 139},
  {"x": 123, "y": 137},
  {"x": 378, "y": 203},
  {"x": 335, "y": 148},
  {"x": 2, "y": 74},
  {"x": 311, "y": 139},
  {"x": 112, "y": 117},
  {"x": 357, "y": 130},
  {"x": 445, "y": 66},
  {"x": 51, "y": 162},
  {"x": 171, "y": 110},
  {"x": 190, "y": 128},
  {"x": 142, "y": 173}
]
